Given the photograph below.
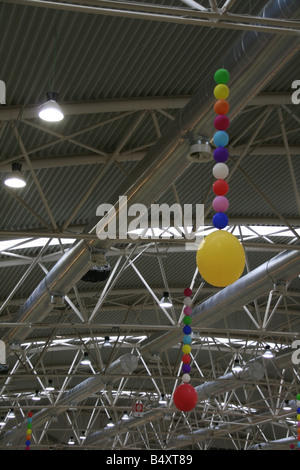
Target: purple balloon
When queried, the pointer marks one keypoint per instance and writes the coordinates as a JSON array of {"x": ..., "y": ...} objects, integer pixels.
[
  {"x": 221, "y": 154},
  {"x": 220, "y": 204},
  {"x": 186, "y": 368}
]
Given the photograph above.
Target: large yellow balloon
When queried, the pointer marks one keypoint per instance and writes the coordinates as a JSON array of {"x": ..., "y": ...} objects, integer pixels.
[{"x": 220, "y": 258}]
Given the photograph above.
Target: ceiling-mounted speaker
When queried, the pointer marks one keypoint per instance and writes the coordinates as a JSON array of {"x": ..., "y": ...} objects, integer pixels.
[
  {"x": 97, "y": 274},
  {"x": 200, "y": 151}
]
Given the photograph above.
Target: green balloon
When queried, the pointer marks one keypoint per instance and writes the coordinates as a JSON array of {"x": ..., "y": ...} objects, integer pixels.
[
  {"x": 187, "y": 320},
  {"x": 222, "y": 76},
  {"x": 298, "y": 396}
]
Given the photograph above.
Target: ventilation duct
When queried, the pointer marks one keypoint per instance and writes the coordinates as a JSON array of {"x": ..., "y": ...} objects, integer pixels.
[{"x": 279, "y": 270}]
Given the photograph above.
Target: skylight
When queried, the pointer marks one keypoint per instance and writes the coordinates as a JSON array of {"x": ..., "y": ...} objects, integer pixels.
[{"x": 23, "y": 243}]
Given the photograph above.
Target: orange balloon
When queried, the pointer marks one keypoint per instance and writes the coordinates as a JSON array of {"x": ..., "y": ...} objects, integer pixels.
[{"x": 222, "y": 107}]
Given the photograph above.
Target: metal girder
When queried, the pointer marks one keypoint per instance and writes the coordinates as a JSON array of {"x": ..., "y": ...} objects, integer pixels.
[{"x": 178, "y": 16}]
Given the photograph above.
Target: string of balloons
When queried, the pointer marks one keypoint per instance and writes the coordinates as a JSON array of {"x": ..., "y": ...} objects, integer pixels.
[{"x": 220, "y": 256}]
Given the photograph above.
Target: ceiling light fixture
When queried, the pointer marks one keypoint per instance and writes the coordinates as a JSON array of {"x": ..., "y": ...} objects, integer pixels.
[
  {"x": 11, "y": 413},
  {"x": 83, "y": 436},
  {"x": 237, "y": 367},
  {"x": 50, "y": 387},
  {"x": 162, "y": 400},
  {"x": 110, "y": 423},
  {"x": 71, "y": 441},
  {"x": 36, "y": 396},
  {"x": 86, "y": 360},
  {"x": 2, "y": 421},
  {"x": 51, "y": 111},
  {"x": 125, "y": 416},
  {"x": 106, "y": 343},
  {"x": 287, "y": 406},
  {"x": 165, "y": 301},
  {"x": 268, "y": 353},
  {"x": 15, "y": 179}
]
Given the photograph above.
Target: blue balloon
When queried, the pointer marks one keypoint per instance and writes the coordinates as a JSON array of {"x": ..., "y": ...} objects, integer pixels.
[
  {"x": 220, "y": 220},
  {"x": 27, "y": 443},
  {"x": 187, "y": 330},
  {"x": 187, "y": 339},
  {"x": 221, "y": 139}
]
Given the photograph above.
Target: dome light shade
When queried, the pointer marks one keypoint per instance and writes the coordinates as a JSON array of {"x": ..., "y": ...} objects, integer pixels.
[
  {"x": 237, "y": 367},
  {"x": 162, "y": 400},
  {"x": 51, "y": 111},
  {"x": 106, "y": 343},
  {"x": 36, "y": 396},
  {"x": 49, "y": 387},
  {"x": 11, "y": 413},
  {"x": 85, "y": 360},
  {"x": 165, "y": 301},
  {"x": 268, "y": 353},
  {"x": 15, "y": 178}
]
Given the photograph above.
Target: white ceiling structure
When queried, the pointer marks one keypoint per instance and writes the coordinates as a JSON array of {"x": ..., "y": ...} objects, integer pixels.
[{"x": 135, "y": 82}]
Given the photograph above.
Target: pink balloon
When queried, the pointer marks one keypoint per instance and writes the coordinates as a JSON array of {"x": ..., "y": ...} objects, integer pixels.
[
  {"x": 187, "y": 310},
  {"x": 220, "y": 204}
]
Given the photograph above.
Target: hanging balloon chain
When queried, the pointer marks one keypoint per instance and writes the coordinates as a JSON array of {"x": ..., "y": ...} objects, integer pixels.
[
  {"x": 220, "y": 256},
  {"x": 28, "y": 431},
  {"x": 185, "y": 396},
  {"x": 221, "y": 154},
  {"x": 292, "y": 446}
]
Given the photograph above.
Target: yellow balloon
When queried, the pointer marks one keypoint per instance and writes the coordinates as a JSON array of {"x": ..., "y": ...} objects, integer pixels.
[
  {"x": 221, "y": 92},
  {"x": 186, "y": 349},
  {"x": 220, "y": 258}
]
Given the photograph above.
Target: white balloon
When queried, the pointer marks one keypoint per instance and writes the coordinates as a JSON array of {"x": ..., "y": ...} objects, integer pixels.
[
  {"x": 220, "y": 171},
  {"x": 186, "y": 378},
  {"x": 187, "y": 301}
]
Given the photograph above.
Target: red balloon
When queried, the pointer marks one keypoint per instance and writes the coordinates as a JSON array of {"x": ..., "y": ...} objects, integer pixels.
[
  {"x": 186, "y": 358},
  {"x": 185, "y": 397},
  {"x": 221, "y": 123},
  {"x": 220, "y": 187},
  {"x": 187, "y": 292}
]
